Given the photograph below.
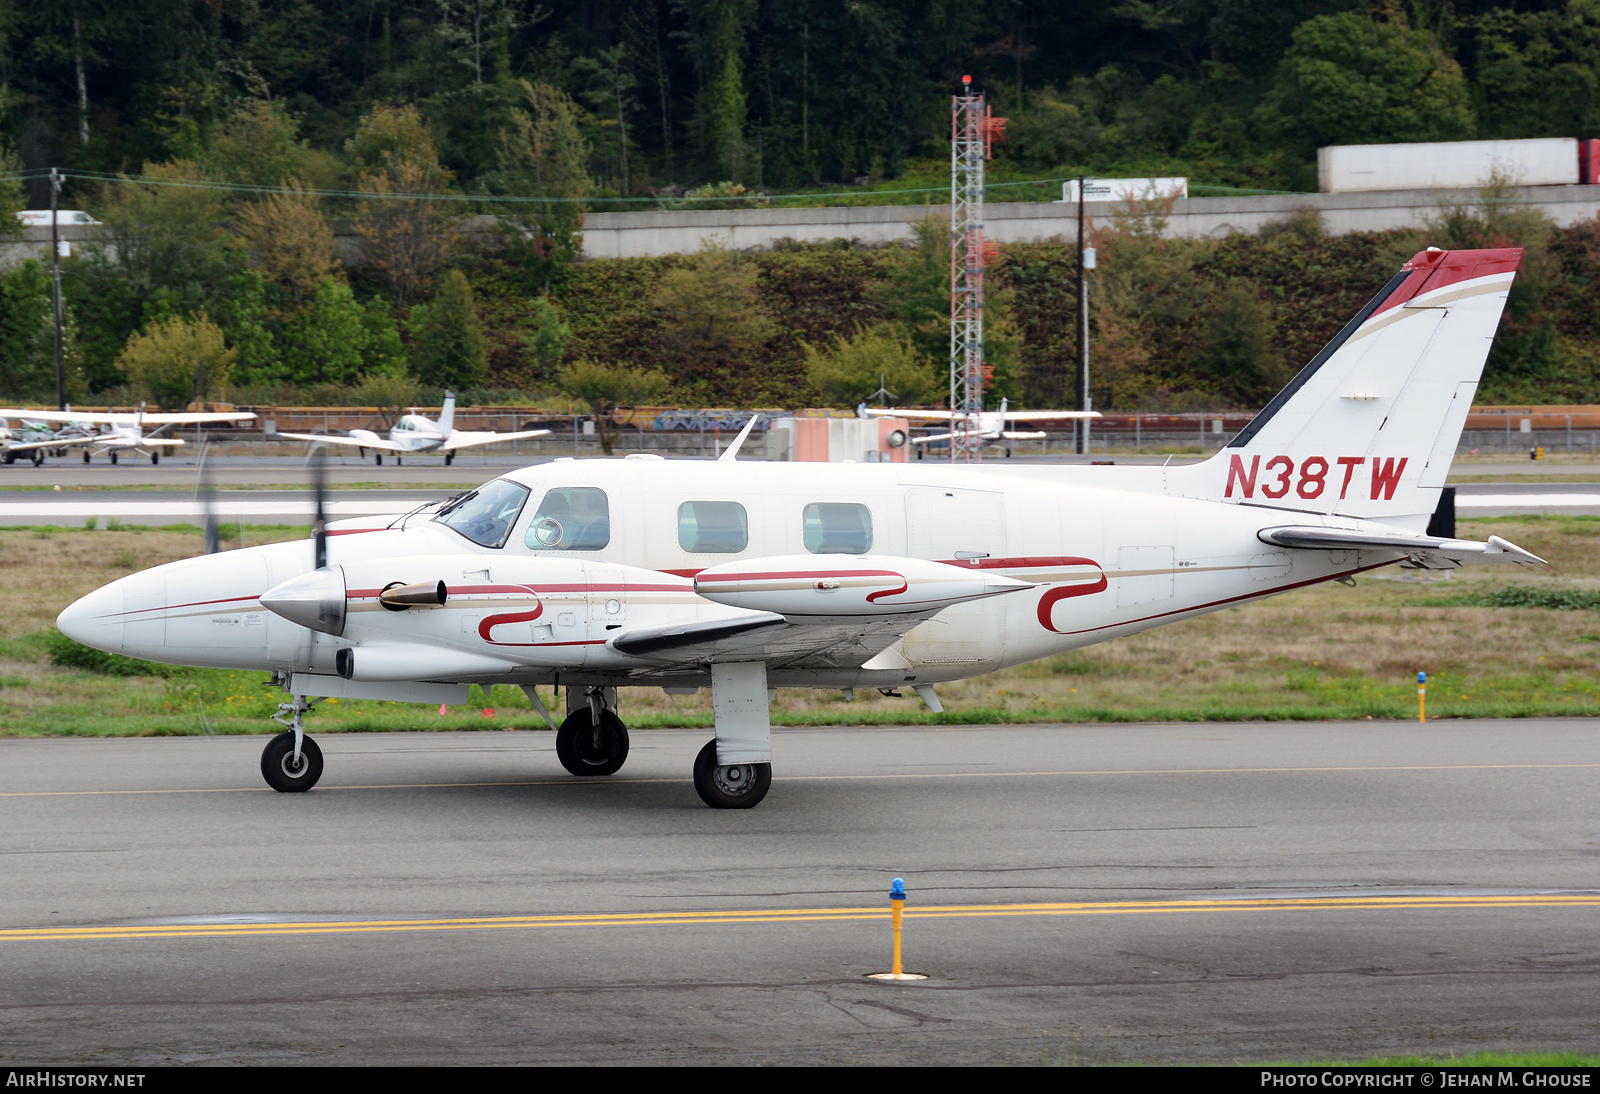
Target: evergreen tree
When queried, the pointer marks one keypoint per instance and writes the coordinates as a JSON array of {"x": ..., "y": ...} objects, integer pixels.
[{"x": 448, "y": 348}]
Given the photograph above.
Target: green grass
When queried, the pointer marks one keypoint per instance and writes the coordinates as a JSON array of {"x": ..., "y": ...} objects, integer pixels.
[{"x": 1517, "y": 596}]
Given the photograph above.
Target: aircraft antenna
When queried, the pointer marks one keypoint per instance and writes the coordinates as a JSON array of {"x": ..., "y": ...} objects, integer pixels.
[{"x": 973, "y": 131}]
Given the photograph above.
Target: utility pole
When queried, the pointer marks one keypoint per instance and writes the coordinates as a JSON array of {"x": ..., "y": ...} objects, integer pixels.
[
  {"x": 55, "y": 276},
  {"x": 1081, "y": 387}
]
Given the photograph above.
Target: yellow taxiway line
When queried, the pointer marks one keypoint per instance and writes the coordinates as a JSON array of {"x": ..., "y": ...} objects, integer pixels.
[{"x": 797, "y": 915}]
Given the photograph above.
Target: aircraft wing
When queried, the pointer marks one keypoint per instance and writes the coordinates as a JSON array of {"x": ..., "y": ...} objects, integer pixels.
[
  {"x": 64, "y": 442},
  {"x": 70, "y": 416},
  {"x": 1430, "y": 551},
  {"x": 1013, "y": 435},
  {"x": 354, "y": 442},
  {"x": 1048, "y": 415},
  {"x": 918, "y": 415},
  {"x": 769, "y": 637},
  {"x": 461, "y": 439}
]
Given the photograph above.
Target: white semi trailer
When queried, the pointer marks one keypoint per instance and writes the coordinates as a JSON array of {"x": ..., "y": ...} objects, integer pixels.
[{"x": 1451, "y": 165}]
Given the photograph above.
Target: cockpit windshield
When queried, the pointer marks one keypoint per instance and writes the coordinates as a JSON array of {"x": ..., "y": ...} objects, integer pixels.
[{"x": 486, "y": 515}]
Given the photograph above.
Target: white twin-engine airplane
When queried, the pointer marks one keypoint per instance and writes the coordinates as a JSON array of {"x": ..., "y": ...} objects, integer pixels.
[
  {"x": 753, "y": 576},
  {"x": 117, "y": 433},
  {"x": 415, "y": 435},
  {"x": 988, "y": 426}
]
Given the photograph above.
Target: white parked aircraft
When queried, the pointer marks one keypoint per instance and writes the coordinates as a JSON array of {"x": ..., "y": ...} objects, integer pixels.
[
  {"x": 598, "y": 574},
  {"x": 989, "y": 426},
  {"x": 415, "y": 435},
  {"x": 109, "y": 433}
]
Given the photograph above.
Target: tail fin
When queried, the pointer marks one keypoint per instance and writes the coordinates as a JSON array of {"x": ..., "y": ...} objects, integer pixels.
[
  {"x": 1369, "y": 427},
  {"x": 447, "y": 416}
]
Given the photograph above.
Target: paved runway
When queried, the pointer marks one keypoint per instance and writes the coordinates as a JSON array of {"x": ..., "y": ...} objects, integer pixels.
[{"x": 1079, "y": 894}]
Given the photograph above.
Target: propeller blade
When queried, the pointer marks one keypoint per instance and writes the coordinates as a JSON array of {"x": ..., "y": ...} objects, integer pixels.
[
  {"x": 319, "y": 524},
  {"x": 208, "y": 504}
]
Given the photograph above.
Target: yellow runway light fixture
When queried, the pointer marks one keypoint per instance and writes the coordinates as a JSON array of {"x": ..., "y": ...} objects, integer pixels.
[{"x": 897, "y": 905}]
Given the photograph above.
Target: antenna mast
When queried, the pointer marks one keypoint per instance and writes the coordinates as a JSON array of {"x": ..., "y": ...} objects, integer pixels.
[{"x": 973, "y": 131}]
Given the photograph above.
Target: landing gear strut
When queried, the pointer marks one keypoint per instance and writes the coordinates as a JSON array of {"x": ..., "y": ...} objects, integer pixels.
[
  {"x": 593, "y": 740},
  {"x": 292, "y": 762},
  {"x": 734, "y": 771}
]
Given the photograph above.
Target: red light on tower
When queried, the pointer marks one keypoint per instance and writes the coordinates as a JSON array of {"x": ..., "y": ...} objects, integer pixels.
[{"x": 966, "y": 83}]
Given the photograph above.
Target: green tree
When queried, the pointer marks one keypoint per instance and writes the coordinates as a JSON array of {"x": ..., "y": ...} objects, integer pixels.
[
  {"x": 543, "y": 155},
  {"x": 1235, "y": 350},
  {"x": 327, "y": 342},
  {"x": 289, "y": 240},
  {"x": 849, "y": 370},
  {"x": 448, "y": 348},
  {"x": 712, "y": 305},
  {"x": 259, "y": 144},
  {"x": 407, "y": 235},
  {"x": 1538, "y": 72},
  {"x": 606, "y": 387},
  {"x": 720, "y": 27},
  {"x": 916, "y": 293},
  {"x": 28, "y": 338},
  {"x": 165, "y": 238},
  {"x": 1353, "y": 79},
  {"x": 545, "y": 334},
  {"x": 12, "y": 197},
  {"x": 177, "y": 360}
]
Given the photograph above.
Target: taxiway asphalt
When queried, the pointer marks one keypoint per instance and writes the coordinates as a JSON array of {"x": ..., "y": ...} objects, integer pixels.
[{"x": 1208, "y": 892}]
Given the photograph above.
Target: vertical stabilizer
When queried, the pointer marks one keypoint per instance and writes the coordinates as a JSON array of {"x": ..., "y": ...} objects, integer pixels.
[
  {"x": 447, "y": 416},
  {"x": 1369, "y": 427}
]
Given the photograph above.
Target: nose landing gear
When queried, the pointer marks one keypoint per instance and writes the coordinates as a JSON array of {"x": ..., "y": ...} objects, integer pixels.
[
  {"x": 593, "y": 740},
  {"x": 292, "y": 762}
]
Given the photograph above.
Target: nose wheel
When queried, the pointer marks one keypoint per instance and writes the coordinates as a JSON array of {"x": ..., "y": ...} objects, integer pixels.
[
  {"x": 585, "y": 750},
  {"x": 287, "y": 773},
  {"x": 729, "y": 786}
]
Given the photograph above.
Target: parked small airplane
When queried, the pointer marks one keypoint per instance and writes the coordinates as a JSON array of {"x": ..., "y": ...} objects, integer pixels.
[
  {"x": 599, "y": 574},
  {"x": 989, "y": 426},
  {"x": 116, "y": 433},
  {"x": 415, "y": 435}
]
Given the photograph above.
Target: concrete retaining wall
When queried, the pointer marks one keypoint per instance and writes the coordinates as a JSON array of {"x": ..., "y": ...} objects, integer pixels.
[{"x": 660, "y": 232}]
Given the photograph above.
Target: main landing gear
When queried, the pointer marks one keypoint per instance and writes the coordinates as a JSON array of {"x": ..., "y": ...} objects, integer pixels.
[
  {"x": 292, "y": 762},
  {"x": 729, "y": 786}
]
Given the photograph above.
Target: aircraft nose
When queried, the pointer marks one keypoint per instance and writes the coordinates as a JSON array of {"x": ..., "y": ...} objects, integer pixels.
[{"x": 95, "y": 620}]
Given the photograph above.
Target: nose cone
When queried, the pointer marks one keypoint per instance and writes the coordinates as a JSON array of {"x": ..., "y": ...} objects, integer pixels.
[
  {"x": 95, "y": 620},
  {"x": 315, "y": 600}
]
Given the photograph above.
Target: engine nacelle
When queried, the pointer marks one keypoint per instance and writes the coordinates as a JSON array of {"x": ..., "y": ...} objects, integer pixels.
[
  {"x": 415, "y": 662},
  {"x": 848, "y": 585}
]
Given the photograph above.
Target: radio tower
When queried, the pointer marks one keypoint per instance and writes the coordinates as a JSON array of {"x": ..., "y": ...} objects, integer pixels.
[{"x": 973, "y": 131}]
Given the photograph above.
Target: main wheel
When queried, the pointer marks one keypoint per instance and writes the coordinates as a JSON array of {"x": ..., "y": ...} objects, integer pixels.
[
  {"x": 729, "y": 786},
  {"x": 280, "y": 770},
  {"x": 85, "y": 455},
  {"x": 113, "y": 457},
  {"x": 576, "y": 748},
  {"x": 38, "y": 457},
  {"x": 155, "y": 457},
  {"x": 377, "y": 458},
  {"x": 449, "y": 458}
]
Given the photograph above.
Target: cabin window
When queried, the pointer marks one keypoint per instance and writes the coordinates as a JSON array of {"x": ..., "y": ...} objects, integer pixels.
[
  {"x": 713, "y": 527},
  {"x": 572, "y": 518},
  {"x": 485, "y": 516},
  {"x": 838, "y": 528}
]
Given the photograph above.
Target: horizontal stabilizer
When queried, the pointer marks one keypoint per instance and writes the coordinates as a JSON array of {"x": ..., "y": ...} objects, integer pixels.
[{"x": 1429, "y": 551}]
